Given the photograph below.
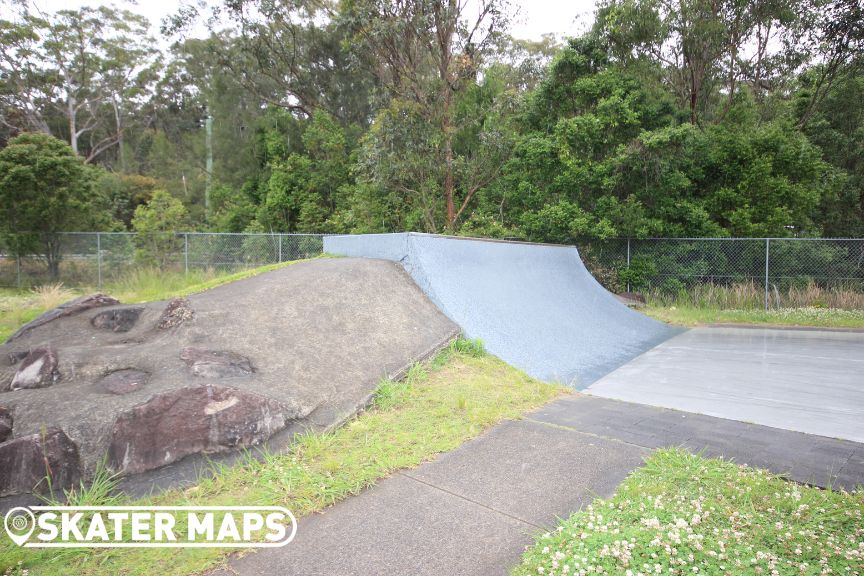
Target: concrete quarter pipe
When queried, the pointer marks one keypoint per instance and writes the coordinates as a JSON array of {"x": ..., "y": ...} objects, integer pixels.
[{"x": 535, "y": 306}]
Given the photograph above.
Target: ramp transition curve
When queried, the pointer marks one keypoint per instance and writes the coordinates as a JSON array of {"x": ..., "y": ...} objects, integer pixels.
[{"x": 535, "y": 306}]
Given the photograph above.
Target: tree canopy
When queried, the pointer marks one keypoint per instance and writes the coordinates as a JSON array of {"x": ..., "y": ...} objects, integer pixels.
[
  {"x": 664, "y": 118},
  {"x": 45, "y": 189}
]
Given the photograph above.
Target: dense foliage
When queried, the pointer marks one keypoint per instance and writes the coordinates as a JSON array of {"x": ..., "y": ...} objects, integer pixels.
[
  {"x": 666, "y": 118},
  {"x": 45, "y": 189}
]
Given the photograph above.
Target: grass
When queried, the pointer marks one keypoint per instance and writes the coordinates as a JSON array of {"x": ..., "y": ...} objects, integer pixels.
[
  {"x": 751, "y": 296},
  {"x": 683, "y": 514},
  {"x": 437, "y": 407},
  {"x": 744, "y": 303},
  {"x": 139, "y": 285},
  {"x": 809, "y": 316}
]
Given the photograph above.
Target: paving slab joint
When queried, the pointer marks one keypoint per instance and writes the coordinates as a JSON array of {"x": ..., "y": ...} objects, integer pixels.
[
  {"x": 591, "y": 434},
  {"x": 466, "y": 499}
]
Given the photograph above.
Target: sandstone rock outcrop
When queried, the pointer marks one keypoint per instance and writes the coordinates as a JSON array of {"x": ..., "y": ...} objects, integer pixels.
[
  {"x": 297, "y": 349},
  {"x": 71, "y": 308},
  {"x": 6, "y": 422},
  {"x": 26, "y": 462},
  {"x": 122, "y": 382},
  {"x": 117, "y": 320},
  {"x": 190, "y": 420},
  {"x": 37, "y": 370},
  {"x": 216, "y": 363},
  {"x": 178, "y": 311}
]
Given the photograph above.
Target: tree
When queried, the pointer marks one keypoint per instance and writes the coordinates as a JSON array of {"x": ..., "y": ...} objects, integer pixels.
[
  {"x": 124, "y": 193},
  {"x": 291, "y": 54},
  {"x": 74, "y": 73},
  {"x": 45, "y": 189},
  {"x": 157, "y": 224},
  {"x": 836, "y": 125},
  {"x": 305, "y": 188},
  {"x": 707, "y": 50},
  {"x": 603, "y": 153},
  {"x": 426, "y": 52},
  {"x": 743, "y": 181},
  {"x": 831, "y": 34}
]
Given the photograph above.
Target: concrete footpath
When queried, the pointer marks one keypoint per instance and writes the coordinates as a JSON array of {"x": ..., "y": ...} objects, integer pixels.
[{"x": 474, "y": 510}]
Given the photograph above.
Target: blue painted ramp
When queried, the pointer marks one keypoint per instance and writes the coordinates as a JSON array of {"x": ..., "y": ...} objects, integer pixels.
[{"x": 535, "y": 306}]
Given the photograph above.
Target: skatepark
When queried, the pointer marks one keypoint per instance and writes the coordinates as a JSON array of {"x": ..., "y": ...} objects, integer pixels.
[
  {"x": 789, "y": 401},
  {"x": 303, "y": 348},
  {"x": 538, "y": 308}
]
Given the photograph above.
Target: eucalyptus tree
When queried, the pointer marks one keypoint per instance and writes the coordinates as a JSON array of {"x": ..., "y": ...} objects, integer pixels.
[
  {"x": 78, "y": 74},
  {"x": 706, "y": 51},
  {"x": 426, "y": 54},
  {"x": 291, "y": 54}
]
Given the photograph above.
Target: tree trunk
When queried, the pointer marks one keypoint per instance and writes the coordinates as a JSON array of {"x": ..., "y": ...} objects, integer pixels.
[
  {"x": 694, "y": 96},
  {"x": 446, "y": 23},
  {"x": 119, "y": 127},
  {"x": 52, "y": 257},
  {"x": 448, "y": 159},
  {"x": 71, "y": 104}
]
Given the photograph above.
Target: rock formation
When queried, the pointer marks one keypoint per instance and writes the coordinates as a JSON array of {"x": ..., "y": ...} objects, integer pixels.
[{"x": 300, "y": 348}]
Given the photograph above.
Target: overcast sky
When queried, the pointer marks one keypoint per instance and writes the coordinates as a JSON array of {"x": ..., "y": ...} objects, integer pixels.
[{"x": 534, "y": 18}]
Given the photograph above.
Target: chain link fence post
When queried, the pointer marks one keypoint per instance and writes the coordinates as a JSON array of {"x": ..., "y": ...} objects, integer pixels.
[
  {"x": 280, "y": 248},
  {"x": 628, "y": 263},
  {"x": 767, "y": 251},
  {"x": 99, "y": 258},
  {"x": 18, "y": 270},
  {"x": 186, "y": 253}
]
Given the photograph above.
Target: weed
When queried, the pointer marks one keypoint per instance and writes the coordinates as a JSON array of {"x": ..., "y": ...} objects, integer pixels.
[
  {"x": 100, "y": 491},
  {"x": 469, "y": 347},
  {"x": 751, "y": 296},
  {"x": 51, "y": 295},
  {"x": 684, "y": 514}
]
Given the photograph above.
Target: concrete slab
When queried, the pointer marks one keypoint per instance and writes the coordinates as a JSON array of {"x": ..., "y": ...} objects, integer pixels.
[
  {"x": 471, "y": 511},
  {"x": 520, "y": 468},
  {"x": 535, "y": 306},
  {"x": 801, "y": 457},
  {"x": 399, "y": 527},
  {"x": 806, "y": 381}
]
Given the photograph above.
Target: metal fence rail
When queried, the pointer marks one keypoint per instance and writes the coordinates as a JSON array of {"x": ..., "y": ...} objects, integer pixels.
[
  {"x": 778, "y": 267},
  {"x": 93, "y": 259}
]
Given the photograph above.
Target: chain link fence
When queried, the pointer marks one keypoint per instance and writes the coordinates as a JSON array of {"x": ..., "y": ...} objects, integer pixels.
[
  {"x": 733, "y": 272},
  {"x": 96, "y": 258},
  {"x": 720, "y": 272}
]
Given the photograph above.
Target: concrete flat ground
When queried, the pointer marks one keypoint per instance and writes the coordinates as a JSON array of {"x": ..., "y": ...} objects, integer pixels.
[
  {"x": 474, "y": 510},
  {"x": 803, "y": 380}
]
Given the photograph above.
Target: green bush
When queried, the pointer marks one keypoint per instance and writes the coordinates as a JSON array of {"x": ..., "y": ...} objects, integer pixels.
[{"x": 638, "y": 274}]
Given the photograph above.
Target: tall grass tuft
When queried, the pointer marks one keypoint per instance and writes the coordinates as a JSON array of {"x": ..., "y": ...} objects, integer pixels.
[
  {"x": 751, "y": 296},
  {"x": 100, "y": 491},
  {"x": 50, "y": 296}
]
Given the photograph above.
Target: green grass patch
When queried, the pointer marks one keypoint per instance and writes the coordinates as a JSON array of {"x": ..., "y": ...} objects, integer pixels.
[
  {"x": 683, "y": 514},
  {"x": 139, "y": 285},
  {"x": 437, "y": 407},
  {"x": 808, "y": 316}
]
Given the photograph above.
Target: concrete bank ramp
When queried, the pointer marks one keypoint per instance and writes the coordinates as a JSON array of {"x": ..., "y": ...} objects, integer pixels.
[
  {"x": 254, "y": 361},
  {"x": 535, "y": 306}
]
